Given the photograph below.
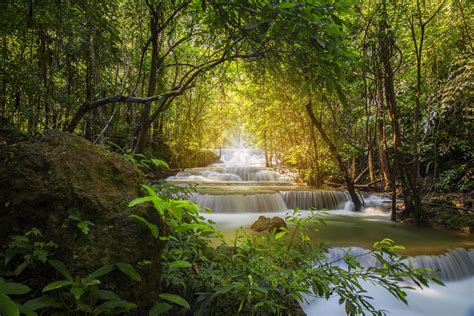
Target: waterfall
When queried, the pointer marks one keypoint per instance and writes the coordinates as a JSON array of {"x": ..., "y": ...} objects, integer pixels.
[
  {"x": 235, "y": 173},
  {"x": 241, "y": 203},
  {"x": 454, "y": 265},
  {"x": 256, "y": 174},
  {"x": 319, "y": 200}
]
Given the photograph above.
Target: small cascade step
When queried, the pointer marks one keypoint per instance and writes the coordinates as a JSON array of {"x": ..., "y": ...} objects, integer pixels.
[
  {"x": 319, "y": 200},
  {"x": 454, "y": 265},
  {"x": 241, "y": 203}
]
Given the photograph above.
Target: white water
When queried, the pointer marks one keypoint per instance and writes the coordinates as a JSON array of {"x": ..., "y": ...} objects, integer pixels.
[
  {"x": 234, "y": 203},
  {"x": 239, "y": 205}
]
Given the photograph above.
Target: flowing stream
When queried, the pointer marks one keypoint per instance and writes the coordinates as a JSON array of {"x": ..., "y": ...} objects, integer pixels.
[{"x": 241, "y": 188}]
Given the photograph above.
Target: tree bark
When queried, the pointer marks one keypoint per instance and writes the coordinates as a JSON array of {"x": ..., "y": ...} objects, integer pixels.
[
  {"x": 349, "y": 183},
  {"x": 145, "y": 116},
  {"x": 316, "y": 179}
]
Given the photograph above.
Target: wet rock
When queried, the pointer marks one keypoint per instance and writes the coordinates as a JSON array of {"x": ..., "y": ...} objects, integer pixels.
[
  {"x": 266, "y": 224},
  {"x": 466, "y": 230},
  {"x": 63, "y": 179}
]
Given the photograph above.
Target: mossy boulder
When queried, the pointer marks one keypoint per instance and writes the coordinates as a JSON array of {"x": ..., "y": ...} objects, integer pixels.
[
  {"x": 268, "y": 224},
  {"x": 62, "y": 180}
]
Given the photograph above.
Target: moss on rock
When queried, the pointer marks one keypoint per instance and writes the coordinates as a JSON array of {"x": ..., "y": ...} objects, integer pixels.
[{"x": 43, "y": 183}]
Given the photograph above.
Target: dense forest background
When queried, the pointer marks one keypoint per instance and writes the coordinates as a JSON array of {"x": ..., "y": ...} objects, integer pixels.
[
  {"x": 383, "y": 86},
  {"x": 371, "y": 95}
]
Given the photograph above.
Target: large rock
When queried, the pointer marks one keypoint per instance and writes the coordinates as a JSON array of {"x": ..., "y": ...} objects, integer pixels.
[
  {"x": 267, "y": 224},
  {"x": 43, "y": 183}
]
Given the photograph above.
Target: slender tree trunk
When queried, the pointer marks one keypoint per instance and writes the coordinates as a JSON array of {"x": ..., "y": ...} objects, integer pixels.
[
  {"x": 349, "y": 183},
  {"x": 380, "y": 130},
  {"x": 267, "y": 162},
  {"x": 385, "y": 51},
  {"x": 145, "y": 115},
  {"x": 368, "y": 131},
  {"x": 90, "y": 83},
  {"x": 316, "y": 177}
]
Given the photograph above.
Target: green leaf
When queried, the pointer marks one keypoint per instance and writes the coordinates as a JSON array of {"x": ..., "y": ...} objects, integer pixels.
[
  {"x": 89, "y": 282},
  {"x": 179, "y": 264},
  {"x": 77, "y": 292},
  {"x": 141, "y": 200},
  {"x": 341, "y": 96},
  {"x": 201, "y": 227},
  {"x": 101, "y": 271},
  {"x": 13, "y": 288},
  {"x": 160, "y": 163},
  {"x": 152, "y": 227},
  {"x": 8, "y": 307},
  {"x": 176, "y": 299},
  {"x": 319, "y": 41},
  {"x": 129, "y": 270},
  {"x": 160, "y": 308},
  {"x": 251, "y": 25},
  {"x": 58, "y": 265},
  {"x": 280, "y": 235},
  {"x": 41, "y": 302},
  {"x": 56, "y": 285},
  {"x": 114, "y": 307},
  {"x": 106, "y": 295}
]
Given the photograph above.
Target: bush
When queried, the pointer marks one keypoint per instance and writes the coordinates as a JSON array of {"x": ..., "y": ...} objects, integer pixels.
[{"x": 266, "y": 273}]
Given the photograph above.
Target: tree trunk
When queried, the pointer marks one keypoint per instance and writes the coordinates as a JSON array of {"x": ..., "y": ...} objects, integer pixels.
[
  {"x": 145, "y": 116},
  {"x": 349, "y": 183},
  {"x": 380, "y": 130},
  {"x": 316, "y": 178},
  {"x": 385, "y": 51}
]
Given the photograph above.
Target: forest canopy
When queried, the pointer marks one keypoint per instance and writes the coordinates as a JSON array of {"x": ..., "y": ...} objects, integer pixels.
[{"x": 371, "y": 95}]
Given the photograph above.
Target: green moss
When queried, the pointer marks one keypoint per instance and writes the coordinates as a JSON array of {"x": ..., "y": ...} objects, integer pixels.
[{"x": 44, "y": 181}]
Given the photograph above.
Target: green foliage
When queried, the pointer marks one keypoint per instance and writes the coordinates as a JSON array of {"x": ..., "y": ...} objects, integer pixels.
[
  {"x": 85, "y": 293},
  {"x": 84, "y": 226},
  {"x": 267, "y": 273},
  {"x": 139, "y": 160},
  {"x": 26, "y": 251}
]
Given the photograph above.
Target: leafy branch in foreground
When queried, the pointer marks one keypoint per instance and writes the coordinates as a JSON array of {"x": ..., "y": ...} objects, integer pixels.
[{"x": 268, "y": 273}]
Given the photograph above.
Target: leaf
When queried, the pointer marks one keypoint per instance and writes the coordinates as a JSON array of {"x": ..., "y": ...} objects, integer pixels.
[
  {"x": 77, "y": 292},
  {"x": 115, "y": 306},
  {"x": 141, "y": 200},
  {"x": 180, "y": 264},
  {"x": 58, "y": 265},
  {"x": 176, "y": 299},
  {"x": 129, "y": 270},
  {"x": 8, "y": 307},
  {"x": 13, "y": 288},
  {"x": 152, "y": 227},
  {"x": 41, "y": 302},
  {"x": 89, "y": 282},
  {"x": 251, "y": 25},
  {"x": 280, "y": 235},
  {"x": 160, "y": 308},
  {"x": 202, "y": 227},
  {"x": 101, "y": 272},
  {"x": 341, "y": 95},
  {"x": 57, "y": 285},
  {"x": 319, "y": 41},
  {"x": 160, "y": 163},
  {"x": 106, "y": 295}
]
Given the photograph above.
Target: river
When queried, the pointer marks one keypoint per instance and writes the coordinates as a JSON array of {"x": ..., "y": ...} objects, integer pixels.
[{"x": 240, "y": 189}]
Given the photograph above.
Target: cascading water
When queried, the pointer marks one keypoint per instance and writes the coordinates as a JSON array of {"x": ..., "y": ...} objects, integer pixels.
[
  {"x": 319, "y": 200},
  {"x": 237, "y": 203},
  {"x": 240, "y": 188},
  {"x": 456, "y": 264}
]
